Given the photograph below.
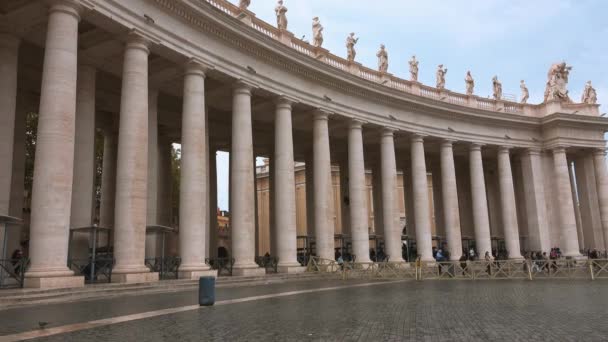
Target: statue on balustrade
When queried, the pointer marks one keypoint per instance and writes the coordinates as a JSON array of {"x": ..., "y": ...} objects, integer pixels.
[
  {"x": 440, "y": 75},
  {"x": 281, "y": 11},
  {"x": 470, "y": 83},
  {"x": 557, "y": 83},
  {"x": 317, "y": 32},
  {"x": 497, "y": 87},
  {"x": 413, "y": 69},
  {"x": 350, "y": 47},
  {"x": 382, "y": 59},
  {"x": 525, "y": 95},
  {"x": 244, "y": 4},
  {"x": 589, "y": 94}
]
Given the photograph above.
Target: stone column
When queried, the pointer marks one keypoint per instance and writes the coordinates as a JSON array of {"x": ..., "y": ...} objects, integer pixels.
[
  {"x": 601, "y": 178},
  {"x": 108, "y": 179},
  {"x": 213, "y": 226},
  {"x": 132, "y": 171},
  {"x": 568, "y": 236},
  {"x": 377, "y": 200},
  {"x": 451, "y": 214},
  {"x": 193, "y": 191},
  {"x": 285, "y": 190},
  {"x": 242, "y": 191},
  {"x": 357, "y": 190},
  {"x": 323, "y": 188},
  {"x": 507, "y": 201},
  {"x": 538, "y": 227},
  {"x": 153, "y": 240},
  {"x": 53, "y": 167},
  {"x": 481, "y": 220},
  {"x": 310, "y": 200},
  {"x": 9, "y": 51},
  {"x": 420, "y": 191},
  {"x": 390, "y": 213}
]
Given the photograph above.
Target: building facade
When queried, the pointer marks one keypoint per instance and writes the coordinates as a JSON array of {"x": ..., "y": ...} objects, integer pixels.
[{"x": 213, "y": 77}]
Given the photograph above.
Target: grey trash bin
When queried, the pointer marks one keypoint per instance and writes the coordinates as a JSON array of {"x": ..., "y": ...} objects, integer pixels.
[{"x": 206, "y": 291}]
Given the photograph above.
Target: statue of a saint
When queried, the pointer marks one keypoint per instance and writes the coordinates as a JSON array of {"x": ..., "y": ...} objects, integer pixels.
[
  {"x": 497, "y": 87},
  {"x": 440, "y": 75},
  {"x": 525, "y": 95},
  {"x": 350, "y": 47},
  {"x": 382, "y": 59},
  {"x": 557, "y": 83},
  {"x": 281, "y": 11},
  {"x": 413, "y": 69},
  {"x": 317, "y": 32},
  {"x": 470, "y": 83},
  {"x": 589, "y": 94},
  {"x": 244, "y": 4}
]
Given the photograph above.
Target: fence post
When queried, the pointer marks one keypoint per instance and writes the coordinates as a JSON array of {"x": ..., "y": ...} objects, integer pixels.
[
  {"x": 591, "y": 269},
  {"x": 529, "y": 263}
]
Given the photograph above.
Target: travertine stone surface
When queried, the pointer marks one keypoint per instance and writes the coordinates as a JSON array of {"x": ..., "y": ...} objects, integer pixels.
[
  {"x": 451, "y": 213},
  {"x": 132, "y": 165},
  {"x": 481, "y": 220},
  {"x": 421, "y": 199},
  {"x": 357, "y": 190},
  {"x": 193, "y": 187},
  {"x": 538, "y": 226},
  {"x": 324, "y": 233},
  {"x": 53, "y": 167},
  {"x": 507, "y": 200},
  {"x": 567, "y": 229},
  {"x": 108, "y": 179},
  {"x": 601, "y": 177},
  {"x": 390, "y": 213}
]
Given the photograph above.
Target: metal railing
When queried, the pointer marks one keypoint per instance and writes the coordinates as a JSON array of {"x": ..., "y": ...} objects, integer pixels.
[
  {"x": 13, "y": 272},
  {"x": 269, "y": 263},
  {"x": 320, "y": 265},
  {"x": 94, "y": 270},
  {"x": 167, "y": 267},
  {"x": 222, "y": 265}
]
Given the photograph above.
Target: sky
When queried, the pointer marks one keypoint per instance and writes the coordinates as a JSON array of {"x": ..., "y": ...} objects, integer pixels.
[{"x": 513, "y": 39}]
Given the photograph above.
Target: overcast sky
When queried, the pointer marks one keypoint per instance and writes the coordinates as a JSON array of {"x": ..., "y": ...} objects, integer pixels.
[{"x": 513, "y": 39}]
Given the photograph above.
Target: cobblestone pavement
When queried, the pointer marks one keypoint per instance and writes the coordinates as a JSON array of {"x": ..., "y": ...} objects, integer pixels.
[{"x": 409, "y": 311}]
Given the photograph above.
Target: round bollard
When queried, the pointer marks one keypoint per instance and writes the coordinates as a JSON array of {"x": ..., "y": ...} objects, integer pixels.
[{"x": 206, "y": 291}]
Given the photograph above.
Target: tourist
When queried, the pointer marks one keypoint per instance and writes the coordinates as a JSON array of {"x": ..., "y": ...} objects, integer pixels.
[
  {"x": 471, "y": 254},
  {"x": 16, "y": 260},
  {"x": 372, "y": 254},
  {"x": 488, "y": 259}
]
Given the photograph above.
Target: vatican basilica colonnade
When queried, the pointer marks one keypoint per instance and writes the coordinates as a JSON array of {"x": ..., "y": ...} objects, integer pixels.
[{"x": 211, "y": 76}]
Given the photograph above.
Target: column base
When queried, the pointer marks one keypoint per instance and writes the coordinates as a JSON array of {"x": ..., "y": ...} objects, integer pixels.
[
  {"x": 132, "y": 278},
  {"x": 248, "y": 271},
  {"x": 291, "y": 269},
  {"x": 54, "y": 282},
  {"x": 193, "y": 275}
]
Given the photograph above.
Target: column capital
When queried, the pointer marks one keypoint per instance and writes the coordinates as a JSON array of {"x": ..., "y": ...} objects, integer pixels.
[
  {"x": 284, "y": 101},
  {"x": 504, "y": 149},
  {"x": 533, "y": 151},
  {"x": 475, "y": 146},
  {"x": 195, "y": 66},
  {"x": 321, "y": 114},
  {"x": 416, "y": 137},
  {"x": 356, "y": 123},
  {"x": 242, "y": 87},
  {"x": 136, "y": 40},
  {"x": 71, "y": 7},
  {"x": 559, "y": 149},
  {"x": 388, "y": 131},
  {"x": 448, "y": 142},
  {"x": 599, "y": 152}
]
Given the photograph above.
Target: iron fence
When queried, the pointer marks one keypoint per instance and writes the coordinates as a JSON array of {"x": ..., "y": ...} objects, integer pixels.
[
  {"x": 12, "y": 272},
  {"x": 167, "y": 267}
]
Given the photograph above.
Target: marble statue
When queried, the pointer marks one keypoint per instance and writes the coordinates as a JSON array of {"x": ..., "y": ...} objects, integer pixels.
[
  {"x": 497, "y": 87},
  {"x": 525, "y": 95},
  {"x": 469, "y": 82},
  {"x": 244, "y": 4},
  {"x": 350, "y": 47},
  {"x": 589, "y": 94},
  {"x": 382, "y": 59},
  {"x": 441, "y": 76},
  {"x": 281, "y": 11},
  {"x": 413, "y": 69},
  {"x": 317, "y": 32},
  {"x": 557, "y": 83}
]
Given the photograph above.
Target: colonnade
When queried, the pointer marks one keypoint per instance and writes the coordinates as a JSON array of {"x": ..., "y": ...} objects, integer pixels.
[{"x": 63, "y": 173}]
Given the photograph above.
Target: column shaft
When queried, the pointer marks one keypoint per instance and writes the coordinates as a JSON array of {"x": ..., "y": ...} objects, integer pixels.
[
  {"x": 481, "y": 220},
  {"x": 242, "y": 191},
  {"x": 9, "y": 51},
  {"x": 601, "y": 178},
  {"x": 507, "y": 200},
  {"x": 357, "y": 191},
  {"x": 538, "y": 227},
  {"x": 213, "y": 227},
  {"x": 132, "y": 170},
  {"x": 284, "y": 209},
  {"x": 193, "y": 190},
  {"x": 53, "y": 166},
  {"x": 451, "y": 214},
  {"x": 390, "y": 212},
  {"x": 420, "y": 190},
  {"x": 568, "y": 235},
  {"x": 323, "y": 188}
]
